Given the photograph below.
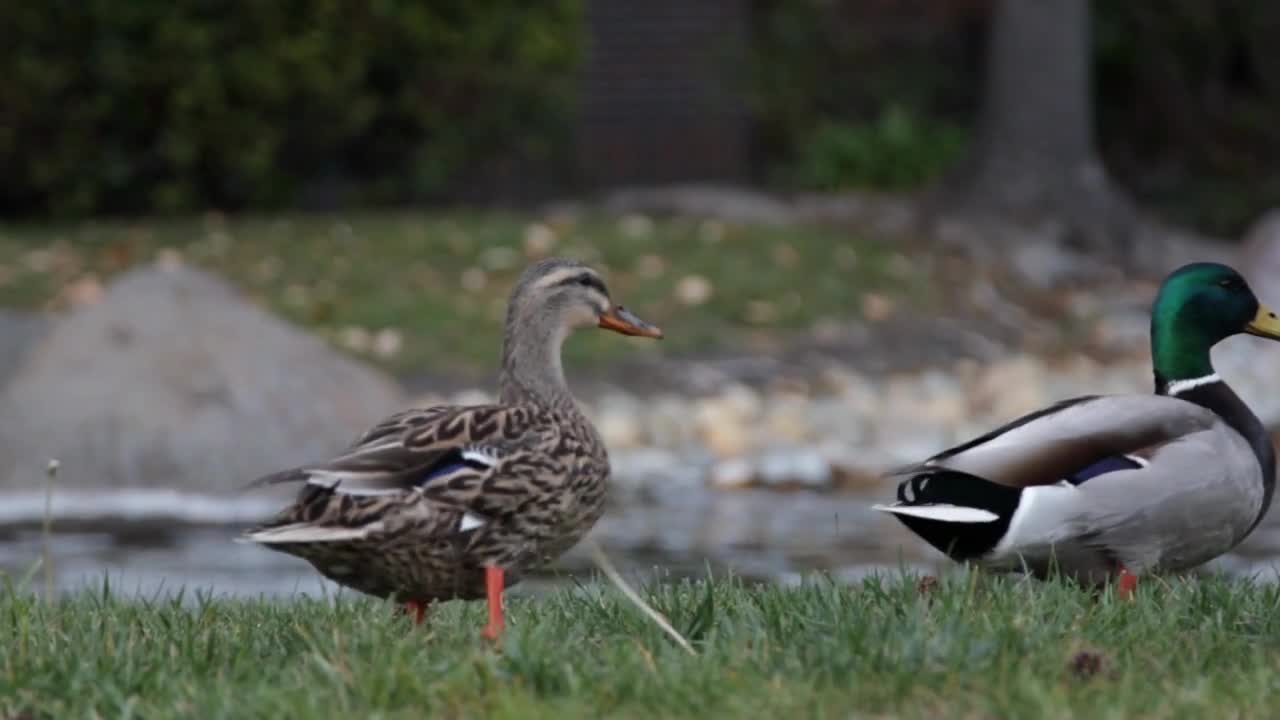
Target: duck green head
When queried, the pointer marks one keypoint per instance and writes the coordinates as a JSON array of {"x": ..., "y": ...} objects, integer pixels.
[{"x": 1199, "y": 305}]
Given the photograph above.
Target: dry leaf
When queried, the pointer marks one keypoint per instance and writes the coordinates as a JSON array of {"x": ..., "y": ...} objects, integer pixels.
[
  {"x": 387, "y": 342},
  {"x": 876, "y": 307},
  {"x": 846, "y": 258},
  {"x": 651, "y": 266},
  {"x": 473, "y": 279},
  {"x": 168, "y": 259},
  {"x": 635, "y": 226},
  {"x": 693, "y": 290},
  {"x": 84, "y": 291},
  {"x": 500, "y": 258},
  {"x": 761, "y": 312},
  {"x": 539, "y": 240},
  {"x": 785, "y": 255},
  {"x": 711, "y": 231},
  {"x": 355, "y": 338}
]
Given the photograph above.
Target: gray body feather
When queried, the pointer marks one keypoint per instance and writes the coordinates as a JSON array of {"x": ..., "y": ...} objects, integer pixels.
[{"x": 1196, "y": 497}]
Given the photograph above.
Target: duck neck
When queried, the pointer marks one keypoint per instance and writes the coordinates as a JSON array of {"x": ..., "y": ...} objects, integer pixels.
[
  {"x": 1183, "y": 370},
  {"x": 1179, "y": 354},
  {"x": 531, "y": 367}
]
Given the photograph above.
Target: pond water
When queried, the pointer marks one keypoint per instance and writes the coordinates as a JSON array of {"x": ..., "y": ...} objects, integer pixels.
[
  {"x": 754, "y": 535},
  {"x": 760, "y": 536}
]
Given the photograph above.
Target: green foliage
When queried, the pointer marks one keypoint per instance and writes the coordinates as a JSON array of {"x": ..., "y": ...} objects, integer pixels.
[
  {"x": 971, "y": 647},
  {"x": 165, "y": 106},
  {"x": 843, "y": 99},
  {"x": 1188, "y": 102},
  {"x": 898, "y": 151},
  {"x": 1186, "y": 94}
]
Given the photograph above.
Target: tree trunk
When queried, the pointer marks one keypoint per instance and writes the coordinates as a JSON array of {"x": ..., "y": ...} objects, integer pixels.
[{"x": 1033, "y": 155}]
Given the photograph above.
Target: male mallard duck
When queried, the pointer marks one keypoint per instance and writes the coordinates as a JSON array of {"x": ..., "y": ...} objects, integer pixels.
[
  {"x": 1119, "y": 485},
  {"x": 456, "y": 501}
]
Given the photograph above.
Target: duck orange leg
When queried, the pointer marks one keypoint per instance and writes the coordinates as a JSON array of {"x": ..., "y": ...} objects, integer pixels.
[
  {"x": 417, "y": 609},
  {"x": 1128, "y": 584},
  {"x": 493, "y": 583}
]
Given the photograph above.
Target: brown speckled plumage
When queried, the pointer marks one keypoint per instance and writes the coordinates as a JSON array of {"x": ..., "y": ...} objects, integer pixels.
[{"x": 421, "y": 503}]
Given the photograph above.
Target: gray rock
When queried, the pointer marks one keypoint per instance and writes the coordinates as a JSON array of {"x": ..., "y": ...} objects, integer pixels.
[
  {"x": 730, "y": 203},
  {"x": 173, "y": 383},
  {"x": 1159, "y": 249},
  {"x": 1044, "y": 262},
  {"x": 883, "y": 214},
  {"x": 655, "y": 470},
  {"x": 670, "y": 422},
  {"x": 18, "y": 332},
  {"x": 1010, "y": 387},
  {"x": 732, "y": 473},
  {"x": 725, "y": 421},
  {"x": 794, "y": 466},
  {"x": 900, "y": 441},
  {"x": 1251, "y": 365},
  {"x": 1260, "y": 255},
  {"x": 1123, "y": 329},
  {"x": 837, "y": 422},
  {"x": 788, "y": 419},
  {"x": 617, "y": 417}
]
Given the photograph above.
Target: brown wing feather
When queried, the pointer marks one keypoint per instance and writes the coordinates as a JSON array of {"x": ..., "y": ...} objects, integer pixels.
[
  {"x": 401, "y": 452},
  {"x": 413, "y": 463}
]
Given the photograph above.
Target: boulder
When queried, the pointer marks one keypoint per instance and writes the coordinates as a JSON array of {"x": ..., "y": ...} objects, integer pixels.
[
  {"x": 19, "y": 331},
  {"x": 735, "y": 204},
  {"x": 170, "y": 386},
  {"x": 1260, "y": 254}
]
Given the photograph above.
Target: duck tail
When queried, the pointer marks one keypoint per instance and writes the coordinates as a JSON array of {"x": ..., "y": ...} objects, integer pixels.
[
  {"x": 278, "y": 478},
  {"x": 303, "y": 532},
  {"x": 962, "y": 515}
]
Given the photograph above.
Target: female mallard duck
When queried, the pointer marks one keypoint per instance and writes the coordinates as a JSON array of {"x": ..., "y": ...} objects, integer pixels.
[
  {"x": 456, "y": 501},
  {"x": 1117, "y": 485}
]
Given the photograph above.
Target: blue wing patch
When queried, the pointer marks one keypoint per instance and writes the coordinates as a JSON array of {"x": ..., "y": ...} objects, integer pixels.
[
  {"x": 1102, "y": 467},
  {"x": 477, "y": 458},
  {"x": 439, "y": 470}
]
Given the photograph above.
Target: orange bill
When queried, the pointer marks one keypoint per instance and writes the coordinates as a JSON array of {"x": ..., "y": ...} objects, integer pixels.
[{"x": 622, "y": 320}]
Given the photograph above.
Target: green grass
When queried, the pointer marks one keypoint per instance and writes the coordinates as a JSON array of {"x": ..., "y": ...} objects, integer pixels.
[
  {"x": 353, "y": 275},
  {"x": 995, "y": 648}
]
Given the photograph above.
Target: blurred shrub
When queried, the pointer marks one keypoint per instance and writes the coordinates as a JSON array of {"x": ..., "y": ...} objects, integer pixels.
[
  {"x": 898, "y": 151},
  {"x": 1186, "y": 94},
  {"x": 167, "y": 106},
  {"x": 855, "y": 94},
  {"x": 1188, "y": 102}
]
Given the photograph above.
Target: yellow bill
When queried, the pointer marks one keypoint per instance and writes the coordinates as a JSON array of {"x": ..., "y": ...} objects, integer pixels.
[{"x": 1264, "y": 323}]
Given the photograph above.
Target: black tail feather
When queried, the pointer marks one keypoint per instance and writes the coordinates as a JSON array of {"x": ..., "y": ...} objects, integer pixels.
[{"x": 960, "y": 541}]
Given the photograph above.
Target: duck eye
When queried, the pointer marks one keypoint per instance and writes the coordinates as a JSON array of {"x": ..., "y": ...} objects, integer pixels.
[
  {"x": 1229, "y": 282},
  {"x": 591, "y": 281}
]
